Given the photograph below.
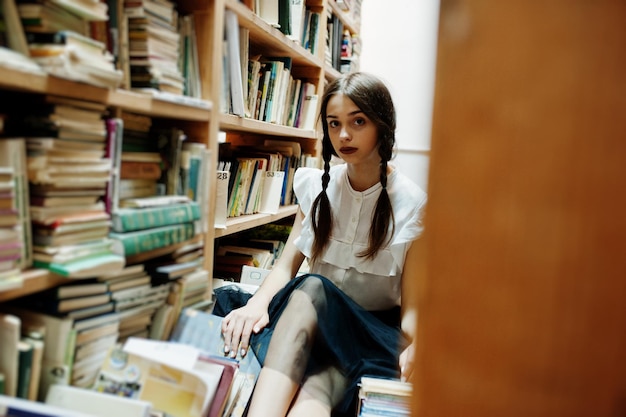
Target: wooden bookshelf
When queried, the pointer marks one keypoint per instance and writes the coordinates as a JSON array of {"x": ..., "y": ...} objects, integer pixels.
[
  {"x": 201, "y": 117},
  {"x": 250, "y": 221},
  {"x": 17, "y": 80},
  {"x": 34, "y": 280},
  {"x": 230, "y": 122}
]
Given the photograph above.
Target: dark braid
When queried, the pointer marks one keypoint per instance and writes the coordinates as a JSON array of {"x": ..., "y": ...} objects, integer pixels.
[
  {"x": 322, "y": 218},
  {"x": 379, "y": 232},
  {"x": 373, "y": 98}
]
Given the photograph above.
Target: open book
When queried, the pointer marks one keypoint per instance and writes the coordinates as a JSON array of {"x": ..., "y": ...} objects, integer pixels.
[{"x": 169, "y": 375}]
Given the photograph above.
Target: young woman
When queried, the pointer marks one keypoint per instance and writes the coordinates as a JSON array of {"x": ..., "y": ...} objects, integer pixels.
[{"x": 317, "y": 334}]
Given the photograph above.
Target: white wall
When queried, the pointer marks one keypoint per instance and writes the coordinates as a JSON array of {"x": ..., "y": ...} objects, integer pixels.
[{"x": 399, "y": 40}]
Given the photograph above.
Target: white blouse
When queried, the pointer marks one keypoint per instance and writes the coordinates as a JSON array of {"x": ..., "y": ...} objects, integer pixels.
[{"x": 375, "y": 284}]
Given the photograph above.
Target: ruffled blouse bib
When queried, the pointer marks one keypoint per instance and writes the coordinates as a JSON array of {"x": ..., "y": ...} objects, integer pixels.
[{"x": 375, "y": 284}]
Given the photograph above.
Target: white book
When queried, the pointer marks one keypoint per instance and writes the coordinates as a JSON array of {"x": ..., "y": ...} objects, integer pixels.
[
  {"x": 268, "y": 11},
  {"x": 297, "y": 12},
  {"x": 221, "y": 199},
  {"x": 272, "y": 190},
  {"x": 96, "y": 404},
  {"x": 234, "y": 63}
]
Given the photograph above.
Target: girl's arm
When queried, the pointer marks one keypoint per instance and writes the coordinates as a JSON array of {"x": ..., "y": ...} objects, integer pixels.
[{"x": 239, "y": 324}]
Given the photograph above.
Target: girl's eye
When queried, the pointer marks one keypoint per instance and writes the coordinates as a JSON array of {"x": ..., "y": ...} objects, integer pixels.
[
  {"x": 359, "y": 121},
  {"x": 333, "y": 123}
]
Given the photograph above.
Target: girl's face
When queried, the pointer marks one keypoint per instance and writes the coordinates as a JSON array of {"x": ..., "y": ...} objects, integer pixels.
[{"x": 353, "y": 135}]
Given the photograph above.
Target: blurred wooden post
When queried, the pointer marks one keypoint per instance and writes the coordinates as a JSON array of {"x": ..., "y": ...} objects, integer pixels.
[{"x": 523, "y": 302}]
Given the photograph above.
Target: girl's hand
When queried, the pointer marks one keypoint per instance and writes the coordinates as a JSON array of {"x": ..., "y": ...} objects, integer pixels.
[
  {"x": 406, "y": 362},
  {"x": 239, "y": 324}
]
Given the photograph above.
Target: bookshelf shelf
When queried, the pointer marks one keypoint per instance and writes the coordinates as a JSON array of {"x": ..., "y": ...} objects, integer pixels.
[
  {"x": 348, "y": 22},
  {"x": 12, "y": 79},
  {"x": 268, "y": 40},
  {"x": 245, "y": 222},
  {"x": 157, "y": 107},
  {"x": 35, "y": 280},
  {"x": 330, "y": 73},
  {"x": 240, "y": 124}
]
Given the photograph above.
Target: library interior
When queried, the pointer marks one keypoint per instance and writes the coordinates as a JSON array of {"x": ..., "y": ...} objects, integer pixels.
[{"x": 153, "y": 159}]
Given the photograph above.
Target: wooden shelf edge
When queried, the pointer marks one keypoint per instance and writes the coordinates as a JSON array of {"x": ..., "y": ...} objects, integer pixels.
[
  {"x": 241, "y": 124},
  {"x": 264, "y": 33},
  {"x": 160, "y": 107},
  {"x": 18, "y": 80},
  {"x": 347, "y": 21},
  {"x": 250, "y": 221},
  {"x": 34, "y": 280}
]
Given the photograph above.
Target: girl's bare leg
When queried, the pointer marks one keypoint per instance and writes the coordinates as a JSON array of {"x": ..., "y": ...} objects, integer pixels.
[
  {"x": 287, "y": 354},
  {"x": 319, "y": 394},
  {"x": 273, "y": 394}
]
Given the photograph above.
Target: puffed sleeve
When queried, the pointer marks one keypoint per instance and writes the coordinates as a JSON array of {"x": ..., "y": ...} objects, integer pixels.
[
  {"x": 307, "y": 184},
  {"x": 409, "y": 208}
]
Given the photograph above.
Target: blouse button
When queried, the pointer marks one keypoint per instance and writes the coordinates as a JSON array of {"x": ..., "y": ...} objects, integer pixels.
[{"x": 354, "y": 220}]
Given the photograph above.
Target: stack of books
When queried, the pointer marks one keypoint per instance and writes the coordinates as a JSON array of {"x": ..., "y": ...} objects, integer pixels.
[
  {"x": 384, "y": 397},
  {"x": 154, "y": 222},
  {"x": 76, "y": 339},
  {"x": 21, "y": 350},
  {"x": 15, "y": 229},
  {"x": 68, "y": 175},
  {"x": 134, "y": 299},
  {"x": 154, "y": 46},
  {"x": 71, "y": 55}
]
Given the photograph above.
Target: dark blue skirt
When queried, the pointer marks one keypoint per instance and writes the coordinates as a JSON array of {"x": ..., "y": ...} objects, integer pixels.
[{"x": 357, "y": 341}]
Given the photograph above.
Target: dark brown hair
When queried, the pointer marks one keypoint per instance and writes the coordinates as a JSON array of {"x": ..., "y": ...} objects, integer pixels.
[{"x": 373, "y": 98}]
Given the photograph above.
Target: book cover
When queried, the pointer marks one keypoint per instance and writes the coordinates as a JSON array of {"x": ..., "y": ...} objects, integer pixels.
[
  {"x": 113, "y": 151},
  {"x": 234, "y": 63},
  {"x": 10, "y": 326},
  {"x": 224, "y": 389},
  {"x": 24, "y": 367},
  {"x": 145, "y": 240},
  {"x": 87, "y": 267},
  {"x": 221, "y": 199},
  {"x": 61, "y": 306},
  {"x": 168, "y": 375},
  {"x": 13, "y": 154},
  {"x": 165, "y": 273},
  {"x": 37, "y": 342},
  {"x": 59, "y": 339},
  {"x": 20, "y": 407},
  {"x": 95, "y": 403},
  {"x": 78, "y": 289},
  {"x": 131, "y": 219},
  {"x": 204, "y": 331},
  {"x": 268, "y": 11},
  {"x": 272, "y": 192}
]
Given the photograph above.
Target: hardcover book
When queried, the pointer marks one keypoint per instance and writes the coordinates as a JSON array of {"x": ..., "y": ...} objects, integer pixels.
[
  {"x": 204, "y": 331},
  {"x": 145, "y": 240},
  {"x": 130, "y": 219},
  {"x": 169, "y": 375}
]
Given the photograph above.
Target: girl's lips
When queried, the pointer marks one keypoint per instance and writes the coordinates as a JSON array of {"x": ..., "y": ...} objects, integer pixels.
[{"x": 347, "y": 150}]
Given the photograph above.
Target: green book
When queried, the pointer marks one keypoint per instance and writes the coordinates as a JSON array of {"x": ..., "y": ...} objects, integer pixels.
[
  {"x": 131, "y": 219},
  {"x": 24, "y": 368},
  {"x": 145, "y": 240},
  {"x": 93, "y": 266}
]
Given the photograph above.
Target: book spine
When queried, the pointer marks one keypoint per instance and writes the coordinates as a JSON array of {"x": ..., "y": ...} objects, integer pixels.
[
  {"x": 25, "y": 363},
  {"x": 158, "y": 237},
  {"x": 113, "y": 151},
  {"x": 128, "y": 220},
  {"x": 140, "y": 170}
]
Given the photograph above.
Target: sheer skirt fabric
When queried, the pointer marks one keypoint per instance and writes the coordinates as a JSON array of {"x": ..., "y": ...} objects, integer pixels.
[{"x": 355, "y": 341}]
